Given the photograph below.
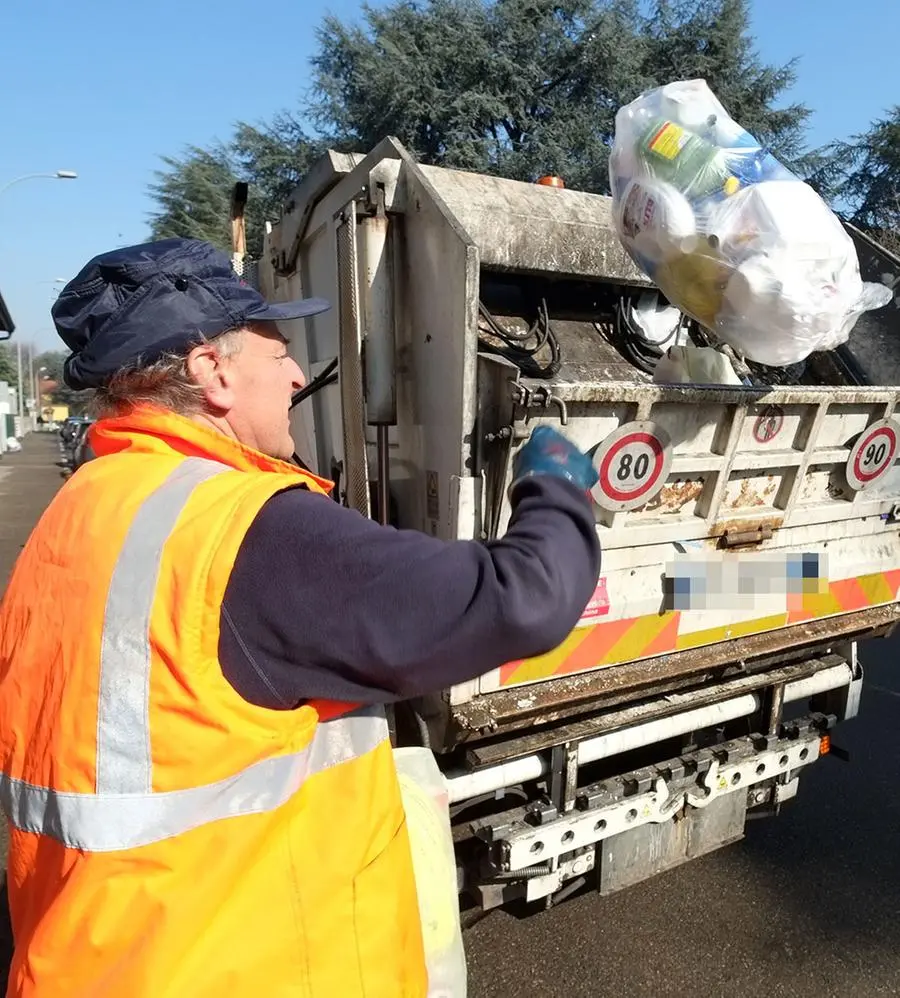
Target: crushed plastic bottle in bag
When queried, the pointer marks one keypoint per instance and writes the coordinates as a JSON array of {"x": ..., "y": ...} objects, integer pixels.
[{"x": 728, "y": 233}]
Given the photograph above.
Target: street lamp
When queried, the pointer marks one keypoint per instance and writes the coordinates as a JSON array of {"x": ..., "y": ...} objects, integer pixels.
[
  {"x": 54, "y": 294},
  {"x": 38, "y": 377},
  {"x": 56, "y": 175}
]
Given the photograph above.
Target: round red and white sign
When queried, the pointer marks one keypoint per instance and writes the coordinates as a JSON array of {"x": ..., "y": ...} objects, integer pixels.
[
  {"x": 873, "y": 454},
  {"x": 768, "y": 425},
  {"x": 632, "y": 464}
]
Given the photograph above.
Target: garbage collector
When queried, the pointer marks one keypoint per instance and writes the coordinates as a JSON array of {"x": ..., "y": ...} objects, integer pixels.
[{"x": 196, "y": 647}]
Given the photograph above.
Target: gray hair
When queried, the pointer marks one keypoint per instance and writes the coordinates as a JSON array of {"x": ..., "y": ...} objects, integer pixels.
[{"x": 166, "y": 383}]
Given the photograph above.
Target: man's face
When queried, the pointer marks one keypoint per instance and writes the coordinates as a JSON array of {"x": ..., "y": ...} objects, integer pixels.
[{"x": 257, "y": 384}]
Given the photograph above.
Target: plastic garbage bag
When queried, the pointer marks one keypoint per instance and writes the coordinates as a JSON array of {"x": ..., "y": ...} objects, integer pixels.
[
  {"x": 690, "y": 365},
  {"x": 729, "y": 235},
  {"x": 659, "y": 324},
  {"x": 427, "y": 807}
]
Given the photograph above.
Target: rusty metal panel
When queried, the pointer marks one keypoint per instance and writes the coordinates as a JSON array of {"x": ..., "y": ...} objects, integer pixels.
[
  {"x": 742, "y": 459},
  {"x": 490, "y": 753},
  {"x": 634, "y": 855}
]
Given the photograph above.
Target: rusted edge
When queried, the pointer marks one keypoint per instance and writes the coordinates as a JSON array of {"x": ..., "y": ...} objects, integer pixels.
[
  {"x": 617, "y": 392},
  {"x": 555, "y": 699},
  {"x": 674, "y": 496},
  {"x": 491, "y": 753}
]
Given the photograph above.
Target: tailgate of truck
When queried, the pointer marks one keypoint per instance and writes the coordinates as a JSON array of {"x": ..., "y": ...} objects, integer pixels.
[{"x": 773, "y": 523}]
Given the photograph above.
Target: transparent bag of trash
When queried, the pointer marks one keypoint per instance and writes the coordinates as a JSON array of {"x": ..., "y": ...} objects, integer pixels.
[
  {"x": 728, "y": 234},
  {"x": 426, "y": 803}
]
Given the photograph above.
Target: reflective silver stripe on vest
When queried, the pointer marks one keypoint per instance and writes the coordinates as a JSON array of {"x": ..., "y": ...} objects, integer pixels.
[
  {"x": 123, "y": 727},
  {"x": 124, "y": 813},
  {"x": 108, "y": 822}
]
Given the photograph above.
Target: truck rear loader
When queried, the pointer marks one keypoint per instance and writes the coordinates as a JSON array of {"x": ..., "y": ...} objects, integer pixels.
[{"x": 750, "y": 531}]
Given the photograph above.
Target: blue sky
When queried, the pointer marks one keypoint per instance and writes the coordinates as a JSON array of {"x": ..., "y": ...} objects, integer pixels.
[{"x": 105, "y": 87}]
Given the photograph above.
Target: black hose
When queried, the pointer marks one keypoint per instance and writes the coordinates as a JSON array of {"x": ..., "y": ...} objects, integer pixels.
[
  {"x": 633, "y": 354},
  {"x": 328, "y": 376},
  {"x": 637, "y": 351},
  {"x": 464, "y": 805},
  {"x": 513, "y": 341},
  {"x": 855, "y": 373}
]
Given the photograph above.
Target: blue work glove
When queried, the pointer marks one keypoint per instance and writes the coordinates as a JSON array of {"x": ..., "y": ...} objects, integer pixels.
[{"x": 548, "y": 452}]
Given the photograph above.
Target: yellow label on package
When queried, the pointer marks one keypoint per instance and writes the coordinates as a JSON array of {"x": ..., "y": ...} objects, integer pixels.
[{"x": 668, "y": 141}]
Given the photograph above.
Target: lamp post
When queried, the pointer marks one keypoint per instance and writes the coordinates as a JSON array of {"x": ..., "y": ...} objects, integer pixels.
[
  {"x": 55, "y": 175},
  {"x": 38, "y": 373},
  {"x": 20, "y": 394},
  {"x": 54, "y": 294}
]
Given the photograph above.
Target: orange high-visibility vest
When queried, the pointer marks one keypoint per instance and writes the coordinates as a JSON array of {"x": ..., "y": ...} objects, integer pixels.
[{"x": 167, "y": 838}]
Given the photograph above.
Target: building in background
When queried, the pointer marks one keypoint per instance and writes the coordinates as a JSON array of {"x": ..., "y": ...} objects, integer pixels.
[
  {"x": 8, "y": 398},
  {"x": 6, "y": 321},
  {"x": 54, "y": 414},
  {"x": 8, "y": 408}
]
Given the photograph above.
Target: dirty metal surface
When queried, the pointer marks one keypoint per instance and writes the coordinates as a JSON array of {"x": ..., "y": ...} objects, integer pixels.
[
  {"x": 603, "y": 391},
  {"x": 555, "y": 699},
  {"x": 757, "y": 525},
  {"x": 752, "y": 492},
  {"x": 588, "y": 355},
  {"x": 527, "y": 227},
  {"x": 676, "y": 495},
  {"x": 491, "y": 753}
]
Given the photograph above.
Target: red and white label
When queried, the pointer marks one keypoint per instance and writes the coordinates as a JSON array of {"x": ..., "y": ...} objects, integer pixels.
[
  {"x": 768, "y": 425},
  {"x": 632, "y": 465},
  {"x": 598, "y": 606},
  {"x": 873, "y": 455}
]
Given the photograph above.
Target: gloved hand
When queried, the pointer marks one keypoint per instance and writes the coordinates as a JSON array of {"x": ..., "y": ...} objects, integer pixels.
[{"x": 548, "y": 452}]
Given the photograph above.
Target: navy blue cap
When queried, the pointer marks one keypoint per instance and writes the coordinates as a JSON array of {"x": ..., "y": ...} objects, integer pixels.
[{"x": 139, "y": 302}]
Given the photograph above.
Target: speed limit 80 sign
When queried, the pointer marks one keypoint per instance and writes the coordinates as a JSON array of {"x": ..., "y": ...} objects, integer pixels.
[
  {"x": 873, "y": 455},
  {"x": 632, "y": 465}
]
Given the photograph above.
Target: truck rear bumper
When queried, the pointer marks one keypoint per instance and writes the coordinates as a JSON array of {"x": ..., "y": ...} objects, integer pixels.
[
  {"x": 618, "y": 732},
  {"x": 553, "y": 700},
  {"x": 623, "y": 828}
]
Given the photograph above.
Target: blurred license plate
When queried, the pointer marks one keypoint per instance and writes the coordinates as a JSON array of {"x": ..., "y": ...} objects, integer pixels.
[{"x": 719, "y": 581}]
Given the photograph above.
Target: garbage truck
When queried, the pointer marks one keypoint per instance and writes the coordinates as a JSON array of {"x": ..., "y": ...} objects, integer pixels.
[{"x": 749, "y": 530}]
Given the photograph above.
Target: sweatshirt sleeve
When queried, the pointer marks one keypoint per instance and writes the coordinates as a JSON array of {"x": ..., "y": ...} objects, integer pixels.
[{"x": 324, "y": 603}]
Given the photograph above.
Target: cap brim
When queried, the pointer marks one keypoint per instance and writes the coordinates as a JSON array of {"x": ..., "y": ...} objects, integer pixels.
[{"x": 284, "y": 310}]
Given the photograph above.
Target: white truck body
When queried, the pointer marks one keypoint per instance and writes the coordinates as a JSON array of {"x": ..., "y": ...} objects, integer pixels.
[{"x": 692, "y": 689}]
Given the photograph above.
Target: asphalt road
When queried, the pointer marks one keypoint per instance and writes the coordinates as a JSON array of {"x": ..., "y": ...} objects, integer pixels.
[{"x": 807, "y": 906}]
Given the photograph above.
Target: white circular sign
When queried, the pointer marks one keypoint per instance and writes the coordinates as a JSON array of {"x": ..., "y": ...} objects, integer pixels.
[
  {"x": 873, "y": 454},
  {"x": 632, "y": 466}
]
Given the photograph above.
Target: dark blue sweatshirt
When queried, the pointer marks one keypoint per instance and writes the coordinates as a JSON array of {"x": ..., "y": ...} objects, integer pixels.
[{"x": 325, "y": 603}]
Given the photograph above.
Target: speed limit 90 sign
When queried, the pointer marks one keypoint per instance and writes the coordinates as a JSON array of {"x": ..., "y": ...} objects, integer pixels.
[
  {"x": 873, "y": 454},
  {"x": 632, "y": 466}
]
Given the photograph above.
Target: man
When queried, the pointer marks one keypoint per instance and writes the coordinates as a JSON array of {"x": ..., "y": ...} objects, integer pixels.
[{"x": 195, "y": 649}]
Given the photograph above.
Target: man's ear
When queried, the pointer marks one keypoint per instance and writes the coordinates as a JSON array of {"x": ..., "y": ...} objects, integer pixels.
[{"x": 214, "y": 374}]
